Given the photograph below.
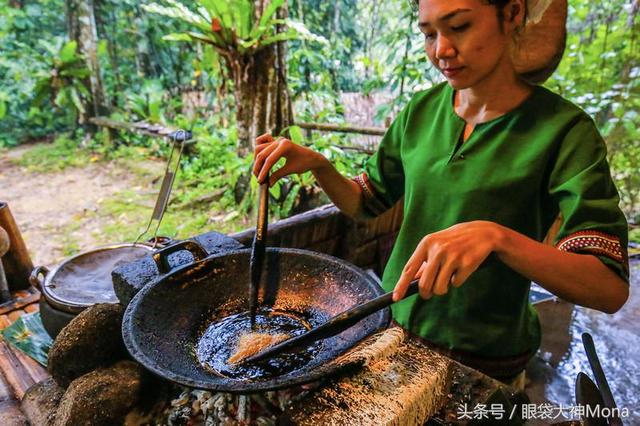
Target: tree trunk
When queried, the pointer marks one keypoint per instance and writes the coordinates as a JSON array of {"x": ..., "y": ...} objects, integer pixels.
[
  {"x": 369, "y": 39},
  {"x": 260, "y": 90},
  {"x": 104, "y": 16},
  {"x": 81, "y": 25},
  {"x": 143, "y": 57}
]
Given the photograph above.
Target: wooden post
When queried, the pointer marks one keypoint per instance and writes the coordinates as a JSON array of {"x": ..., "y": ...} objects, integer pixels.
[{"x": 17, "y": 263}]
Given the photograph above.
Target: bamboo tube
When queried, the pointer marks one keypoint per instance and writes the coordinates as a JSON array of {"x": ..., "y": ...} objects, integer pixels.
[{"x": 17, "y": 263}]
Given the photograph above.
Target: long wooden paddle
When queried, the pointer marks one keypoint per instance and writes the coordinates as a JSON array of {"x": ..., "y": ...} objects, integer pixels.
[
  {"x": 335, "y": 325},
  {"x": 258, "y": 248}
]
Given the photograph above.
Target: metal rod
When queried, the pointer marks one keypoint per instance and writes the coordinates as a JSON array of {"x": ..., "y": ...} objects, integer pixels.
[{"x": 178, "y": 139}]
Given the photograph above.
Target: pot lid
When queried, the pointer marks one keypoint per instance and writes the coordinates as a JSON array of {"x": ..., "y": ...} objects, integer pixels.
[{"x": 85, "y": 279}]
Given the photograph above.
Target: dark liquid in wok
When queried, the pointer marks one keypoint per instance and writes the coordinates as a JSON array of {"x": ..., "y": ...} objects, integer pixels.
[{"x": 220, "y": 341}]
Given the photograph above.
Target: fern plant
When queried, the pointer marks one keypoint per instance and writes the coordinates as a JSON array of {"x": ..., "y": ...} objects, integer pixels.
[
  {"x": 64, "y": 82},
  {"x": 230, "y": 26}
]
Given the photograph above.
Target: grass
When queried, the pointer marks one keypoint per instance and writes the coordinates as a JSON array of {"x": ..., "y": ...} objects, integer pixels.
[
  {"x": 122, "y": 217},
  {"x": 126, "y": 215},
  {"x": 57, "y": 156}
]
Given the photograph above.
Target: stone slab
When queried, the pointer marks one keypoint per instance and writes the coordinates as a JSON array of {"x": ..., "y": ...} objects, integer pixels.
[{"x": 130, "y": 278}]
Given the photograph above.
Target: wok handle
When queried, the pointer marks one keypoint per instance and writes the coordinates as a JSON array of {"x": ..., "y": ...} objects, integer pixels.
[
  {"x": 348, "y": 318},
  {"x": 34, "y": 277},
  {"x": 160, "y": 242},
  {"x": 161, "y": 257}
]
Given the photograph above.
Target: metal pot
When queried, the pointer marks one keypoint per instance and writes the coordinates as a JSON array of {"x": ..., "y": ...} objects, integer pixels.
[
  {"x": 83, "y": 280},
  {"x": 164, "y": 321}
]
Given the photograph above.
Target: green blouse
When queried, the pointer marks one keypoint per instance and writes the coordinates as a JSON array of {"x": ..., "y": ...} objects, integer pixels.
[{"x": 519, "y": 170}]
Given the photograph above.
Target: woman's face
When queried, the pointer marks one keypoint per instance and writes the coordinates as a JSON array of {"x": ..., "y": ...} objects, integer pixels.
[{"x": 465, "y": 40}]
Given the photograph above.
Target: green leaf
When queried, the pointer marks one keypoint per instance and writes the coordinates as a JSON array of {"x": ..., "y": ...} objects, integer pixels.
[
  {"x": 154, "y": 110},
  {"x": 84, "y": 92},
  {"x": 177, "y": 37},
  {"x": 219, "y": 9},
  {"x": 180, "y": 12},
  {"x": 42, "y": 90},
  {"x": 214, "y": 38},
  {"x": 245, "y": 19},
  {"x": 289, "y": 35},
  {"x": 77, "y": 73},
  {"x": 276, "y": 190},
  {"x": 103, "y": 48},
  {"x": 68, "y": 52},
  {"x": 61, "y": 99},
  {"x": 210, "y": 6},
  {"x": 247, "y": 44},
  {"x": 28, "y": 335},
  {"x": 3, "y": 109},
  {"x": 287, "y": 206},
  {"x": 75, "y": 98},
  {"x": 268, "y": 13},
  {"x": 33, "y": 112},
  {"x": 296, "y": 134},
  {"x": 210, "y": 57}
]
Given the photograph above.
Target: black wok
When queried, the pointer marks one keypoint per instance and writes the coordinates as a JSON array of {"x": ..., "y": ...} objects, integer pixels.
[{"x": 164, "y": 321}]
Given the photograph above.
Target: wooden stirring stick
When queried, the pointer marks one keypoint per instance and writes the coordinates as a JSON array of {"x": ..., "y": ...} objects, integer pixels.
[
  {"x": 258, "y": 248},
  {"x": 335, "y": 325}
]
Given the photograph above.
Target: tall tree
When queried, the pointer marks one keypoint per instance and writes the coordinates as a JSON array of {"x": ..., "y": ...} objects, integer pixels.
[
  {"x": 81, "y": 26},
  {"x": 260, "y": 86},
  {"x": 248, "y": 36}
]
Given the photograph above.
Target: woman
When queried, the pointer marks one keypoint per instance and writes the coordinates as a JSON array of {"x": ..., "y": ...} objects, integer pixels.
[{"x": 485, "y": 162}]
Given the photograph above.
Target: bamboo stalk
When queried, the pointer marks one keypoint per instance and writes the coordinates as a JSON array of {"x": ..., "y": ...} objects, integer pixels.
[
  {"x": 344, "y": 128},
  {"x": 17, "y": 263}
]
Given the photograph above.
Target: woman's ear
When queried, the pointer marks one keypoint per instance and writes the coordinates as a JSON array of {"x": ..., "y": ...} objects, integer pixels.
[{"x": 515, "y": 13}]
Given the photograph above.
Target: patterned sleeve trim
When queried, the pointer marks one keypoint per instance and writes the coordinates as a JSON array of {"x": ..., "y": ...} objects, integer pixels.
[
  {"x": 594, "y": 242},
  {"x": 373, "y": 203}
]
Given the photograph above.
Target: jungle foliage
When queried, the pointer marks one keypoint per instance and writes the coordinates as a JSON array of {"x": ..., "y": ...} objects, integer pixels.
[{"x": 370, "y": 47}]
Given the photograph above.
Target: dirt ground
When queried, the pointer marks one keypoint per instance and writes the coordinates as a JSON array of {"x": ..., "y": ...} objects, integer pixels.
[{"x": 51, "y": 208}]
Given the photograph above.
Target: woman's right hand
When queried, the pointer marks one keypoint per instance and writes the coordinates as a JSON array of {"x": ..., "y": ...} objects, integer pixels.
[{"x": 298, "y": 158}]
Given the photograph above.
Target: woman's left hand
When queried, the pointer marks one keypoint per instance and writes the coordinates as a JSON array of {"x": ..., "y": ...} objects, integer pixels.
[{"x": 448, "y": 257}]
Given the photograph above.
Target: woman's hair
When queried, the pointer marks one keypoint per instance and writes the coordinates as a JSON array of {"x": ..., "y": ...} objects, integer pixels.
[{"x": 499, "y": 4}]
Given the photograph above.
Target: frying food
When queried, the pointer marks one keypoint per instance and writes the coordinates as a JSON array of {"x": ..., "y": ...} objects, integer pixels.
[
  {"x": 251, "y": 343},
  {"x": 225, "y": 344}
]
